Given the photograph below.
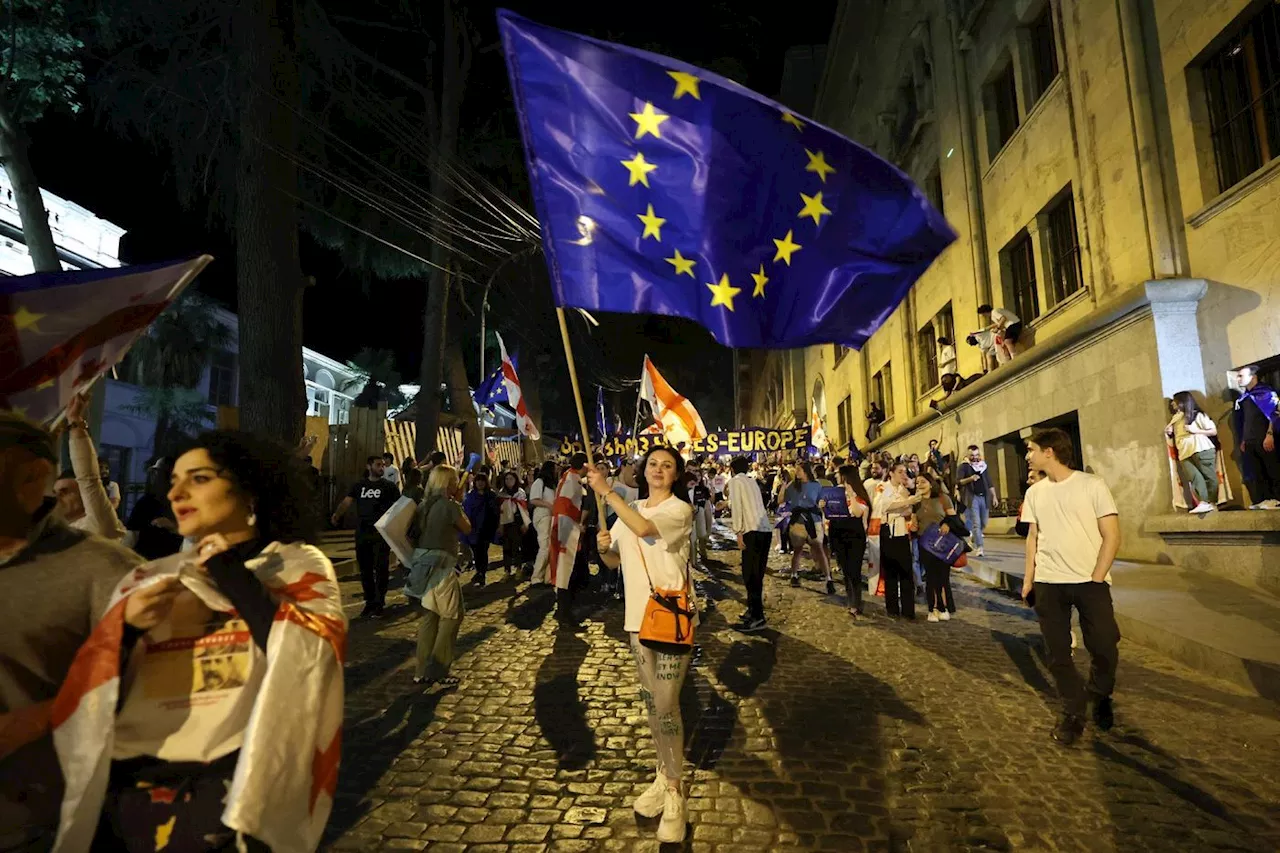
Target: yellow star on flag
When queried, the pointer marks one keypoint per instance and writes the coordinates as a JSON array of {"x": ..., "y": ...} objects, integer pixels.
[
  {"x": 786, "y": 248},
  {"x": 639, "y": 168},
  {"x": 648, "y": 120},
  {"x": 25, "y": 319},
  {"x": 683, "y": 265},
  {"x": 790, "y": 118},
  {"x": 818, "y": 163},
  {"x": 813, "y": 207},
  {"x": 685, "y": 83},
  {"x": 723, "y": 292},
  {"x": 761, "y": 280},
  {"x": 45, "y": 385},
  {"x": 652, "y": 224}
]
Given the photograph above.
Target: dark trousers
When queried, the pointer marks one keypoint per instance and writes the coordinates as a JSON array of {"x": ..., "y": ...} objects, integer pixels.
[
  {"x": 1101, "y": 636},
  {"x": 755, "y": 557},
  {"x": 373, "y": 555},
  {"x": 1265, "y": 467},
  {"x": 480, "y": 557},
  {"x": 937, "y": 583},
  {"x": 899, "y": 579},
  {"x": 848, "y": 547},
  {"x": 511, "y": 540}
]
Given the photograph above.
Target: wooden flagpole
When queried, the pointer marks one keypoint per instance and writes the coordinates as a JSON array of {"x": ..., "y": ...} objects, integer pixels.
[{"x": 582, "y": 412}]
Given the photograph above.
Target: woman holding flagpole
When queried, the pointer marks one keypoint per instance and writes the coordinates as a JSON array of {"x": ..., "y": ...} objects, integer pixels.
[{"x": 651, "y": 542}]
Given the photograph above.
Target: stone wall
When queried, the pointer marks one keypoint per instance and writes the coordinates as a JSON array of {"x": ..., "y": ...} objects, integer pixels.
[{"x": 1111, "y": 380}]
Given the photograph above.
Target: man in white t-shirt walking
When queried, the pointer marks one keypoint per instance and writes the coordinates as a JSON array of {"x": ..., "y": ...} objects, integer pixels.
[
  {"x": 755, "y": 532},
  {"x": 1072, "y": 539}
]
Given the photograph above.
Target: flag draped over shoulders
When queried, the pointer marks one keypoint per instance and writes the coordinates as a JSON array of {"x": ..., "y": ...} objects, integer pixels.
[{"x": 286, "y": 773}]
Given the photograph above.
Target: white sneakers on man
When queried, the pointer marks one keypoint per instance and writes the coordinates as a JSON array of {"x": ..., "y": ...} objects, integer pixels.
[
  {"x": 933, "y": 616},
  {"x": 654, "y": 798},
  {"x": 673, "y": 825},
  {"x": 1203, "y": 507}
]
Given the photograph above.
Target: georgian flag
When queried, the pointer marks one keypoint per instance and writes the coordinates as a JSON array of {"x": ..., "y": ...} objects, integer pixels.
[
  {"x": 60, "y": 331},
  {"x": 680, "y": 420},
  {"x": 524, "y": 424},
  {"x": 817, "y": 434}
]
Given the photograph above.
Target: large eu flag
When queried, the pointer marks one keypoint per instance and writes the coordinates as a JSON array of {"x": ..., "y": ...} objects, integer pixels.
[{"x": 666, "y": 189}]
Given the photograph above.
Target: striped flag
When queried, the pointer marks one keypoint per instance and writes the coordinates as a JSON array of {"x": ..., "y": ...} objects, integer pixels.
[
  {"x": 680, "y": 420},
  {"x": 60, "y": 331},
  {"x": 524, "y": 424}
]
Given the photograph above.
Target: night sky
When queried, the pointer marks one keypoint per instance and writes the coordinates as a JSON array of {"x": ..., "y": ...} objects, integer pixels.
[{"x": 123, "y": 180}]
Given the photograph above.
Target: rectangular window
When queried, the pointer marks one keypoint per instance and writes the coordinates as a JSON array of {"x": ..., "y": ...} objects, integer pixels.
[
  {"x": 839, "y": 351},
  {"x": 929, "y": 344},
  {"x": 222, "y": 379},
  {"x": 844, "y": 418},
  {"x": 1003, "y": 99},
  {"x": 882, "y": 389},
  {"x": 1044, "y": 54},
  {"x": 1022, "y": 277},
  {"x": 1242, "y": 86},
  {"x": 317, "y": 402},
  {"x": 1064, "y": 250},
  {"x": 927, "y": 356},
  {"x": 933, "y": 190}
]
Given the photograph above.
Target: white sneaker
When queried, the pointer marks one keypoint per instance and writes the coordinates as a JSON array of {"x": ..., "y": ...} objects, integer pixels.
[
  {"x": 654, "y": 798},
  {"x": 933, "y": 616},
  {"x": 672, "y": 828},
  {"x": 944, "y": 615},
  {"x": 979, "y": 553},
  {"x": 1202, "y": 507},
  {"x": 1269, "y": 504}
]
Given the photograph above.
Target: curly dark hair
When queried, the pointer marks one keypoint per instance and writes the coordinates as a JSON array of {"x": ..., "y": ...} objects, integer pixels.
[{"x": 273, "y": 476}]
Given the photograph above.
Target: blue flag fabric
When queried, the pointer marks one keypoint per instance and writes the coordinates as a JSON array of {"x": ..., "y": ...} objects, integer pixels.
[
  {"x": 493, "y": 390},
  {"x": 665, "y": 189}
]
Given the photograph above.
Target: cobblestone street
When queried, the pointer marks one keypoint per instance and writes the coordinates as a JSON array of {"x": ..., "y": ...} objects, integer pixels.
[{"x": 814, "y": 735}]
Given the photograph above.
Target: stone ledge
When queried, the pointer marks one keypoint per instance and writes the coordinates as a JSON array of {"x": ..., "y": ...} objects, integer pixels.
[{"x": 1250, "y": 523}]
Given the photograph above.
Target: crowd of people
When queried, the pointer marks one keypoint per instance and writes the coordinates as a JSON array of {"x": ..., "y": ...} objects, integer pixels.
[{"x": 216, "y": 571}]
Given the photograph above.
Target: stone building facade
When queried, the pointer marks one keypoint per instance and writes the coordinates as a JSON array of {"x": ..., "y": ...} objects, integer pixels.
[{"x": 1111, "y": 171}]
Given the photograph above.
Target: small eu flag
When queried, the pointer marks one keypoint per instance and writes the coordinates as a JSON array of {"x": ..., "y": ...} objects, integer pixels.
[
  {"x": 492, "y": 390},
  {"x": 666, "y": 189}
]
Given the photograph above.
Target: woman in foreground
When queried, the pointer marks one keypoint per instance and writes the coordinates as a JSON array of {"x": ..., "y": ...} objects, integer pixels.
[
  {"x": 651, "y": 542},
  {"x": 182, "y": 722}
]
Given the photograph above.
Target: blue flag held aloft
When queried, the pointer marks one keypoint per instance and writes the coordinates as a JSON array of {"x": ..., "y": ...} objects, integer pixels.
[
  {"x": 492, "y": 390},
  {"x": 666, "y": 189}
]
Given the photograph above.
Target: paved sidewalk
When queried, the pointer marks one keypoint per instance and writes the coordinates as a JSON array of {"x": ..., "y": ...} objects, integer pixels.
[{"x": 816, "y": 735}]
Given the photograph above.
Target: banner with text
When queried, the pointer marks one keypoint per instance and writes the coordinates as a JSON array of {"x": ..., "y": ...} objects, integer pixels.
[{"x": 730, "y": 442}]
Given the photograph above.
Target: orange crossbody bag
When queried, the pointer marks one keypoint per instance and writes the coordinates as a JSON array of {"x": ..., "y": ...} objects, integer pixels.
[{"x": 668, "y": 615}]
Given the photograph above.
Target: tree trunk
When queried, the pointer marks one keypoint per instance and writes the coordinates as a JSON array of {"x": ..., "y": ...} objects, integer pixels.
[
  {"x": 268, "y": 271},
  {"x": 460, "y": 397},
  {"x": 427, "y": 416},
  {"x": 454, "y": 67},
  {"x": 26, "y": 194}
]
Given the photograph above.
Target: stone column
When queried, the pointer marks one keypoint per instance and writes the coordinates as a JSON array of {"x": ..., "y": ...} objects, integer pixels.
[{"x": 1173, "y": 308}]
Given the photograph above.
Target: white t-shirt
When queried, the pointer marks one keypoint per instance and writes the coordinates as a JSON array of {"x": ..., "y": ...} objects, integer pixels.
[
  {"x": 392, "y": 475},
  {"x": 1009, "y": 318},
  {"x": 540, "y": 491},
  {"x": 666, "y": 555},
  {"x": 946, "y": 359},
  {"x": 1066, "y": 518}
]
